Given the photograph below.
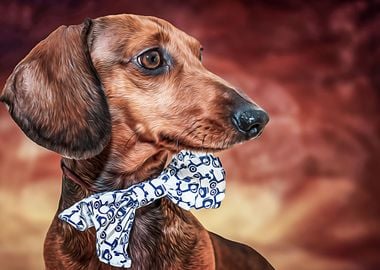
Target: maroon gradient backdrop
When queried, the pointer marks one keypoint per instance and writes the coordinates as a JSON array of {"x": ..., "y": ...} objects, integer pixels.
[{"x": 306, "y": 194}]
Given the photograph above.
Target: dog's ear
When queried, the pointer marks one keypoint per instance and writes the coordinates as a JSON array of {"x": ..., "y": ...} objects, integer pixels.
[{"x": 56, "y": 97}]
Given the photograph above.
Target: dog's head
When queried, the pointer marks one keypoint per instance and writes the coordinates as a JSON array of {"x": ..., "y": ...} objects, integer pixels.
[{"x": 132, "y": 71}]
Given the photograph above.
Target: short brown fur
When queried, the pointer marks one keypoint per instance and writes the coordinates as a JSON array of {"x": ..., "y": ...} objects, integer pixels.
[{"x": 79, "y": 94}]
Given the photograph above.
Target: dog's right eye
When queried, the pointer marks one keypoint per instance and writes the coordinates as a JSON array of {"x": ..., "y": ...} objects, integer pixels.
[{"x": 150, "y": 60}]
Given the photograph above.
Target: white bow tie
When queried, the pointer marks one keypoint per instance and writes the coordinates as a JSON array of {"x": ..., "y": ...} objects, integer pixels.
[{"x": 190, "y": 181}]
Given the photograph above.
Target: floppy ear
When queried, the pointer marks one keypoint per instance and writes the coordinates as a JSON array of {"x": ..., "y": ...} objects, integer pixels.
[{"x": 56, "y": 97}]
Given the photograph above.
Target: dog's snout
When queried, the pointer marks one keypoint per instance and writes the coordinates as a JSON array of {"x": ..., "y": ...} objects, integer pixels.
[{"x": 250, "y": 121}]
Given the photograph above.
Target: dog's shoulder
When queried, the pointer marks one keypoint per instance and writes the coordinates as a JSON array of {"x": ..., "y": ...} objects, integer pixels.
[{"x": 233, "y": 255}]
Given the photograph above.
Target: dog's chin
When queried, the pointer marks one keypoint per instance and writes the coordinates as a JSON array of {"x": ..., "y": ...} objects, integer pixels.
[
  {"x": 222, "y": 145},
  {"x": 176, "y": 144},
  {"x": 207, "y": 149},
  {"x": 195, "y": 148}
]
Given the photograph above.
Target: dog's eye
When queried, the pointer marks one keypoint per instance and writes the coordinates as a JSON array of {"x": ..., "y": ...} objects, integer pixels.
[
  {"x": 150, "y": 60},
  {"x": 200, "y": 54}
]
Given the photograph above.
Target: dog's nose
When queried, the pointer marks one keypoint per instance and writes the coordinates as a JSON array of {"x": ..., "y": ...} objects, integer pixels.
[{"x": 250, "y": 121}]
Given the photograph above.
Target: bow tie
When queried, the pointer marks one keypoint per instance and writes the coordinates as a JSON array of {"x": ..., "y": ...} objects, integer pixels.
[{"x": 190, "y": 181}]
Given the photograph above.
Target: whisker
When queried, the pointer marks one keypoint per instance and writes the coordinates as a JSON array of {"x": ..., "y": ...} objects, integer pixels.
[
  {"x": 129, "y": 139},
  {"x": 203, "y": 140}
]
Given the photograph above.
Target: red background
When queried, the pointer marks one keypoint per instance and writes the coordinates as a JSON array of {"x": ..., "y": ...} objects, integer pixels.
[{"x": 306, "y": 194}]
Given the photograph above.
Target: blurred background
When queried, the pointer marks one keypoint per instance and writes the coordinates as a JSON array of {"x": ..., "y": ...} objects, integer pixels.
[{"x": 306, "y": 194}]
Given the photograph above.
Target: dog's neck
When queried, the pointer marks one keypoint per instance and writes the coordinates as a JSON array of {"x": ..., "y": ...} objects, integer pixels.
[
  {"x": 162, "y": 232},
  {"x": 82, "y": 178}
]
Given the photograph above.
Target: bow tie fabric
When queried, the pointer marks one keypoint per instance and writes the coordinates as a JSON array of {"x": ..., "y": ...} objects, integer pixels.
[{"x": 191, "y": 180}]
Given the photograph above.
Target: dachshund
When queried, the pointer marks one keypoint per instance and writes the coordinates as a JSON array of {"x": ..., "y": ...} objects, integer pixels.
[{"x": 116, "y": 97}]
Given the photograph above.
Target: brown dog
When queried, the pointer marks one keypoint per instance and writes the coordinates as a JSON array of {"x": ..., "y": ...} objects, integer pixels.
[{"x": 116, "y": 96}]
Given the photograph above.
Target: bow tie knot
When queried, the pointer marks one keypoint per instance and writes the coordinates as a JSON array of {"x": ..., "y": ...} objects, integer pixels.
[{"x": 190, "y": 181}]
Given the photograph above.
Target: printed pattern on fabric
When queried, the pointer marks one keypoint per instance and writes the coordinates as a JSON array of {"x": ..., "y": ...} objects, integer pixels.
[{"x": 191, "y": 180}]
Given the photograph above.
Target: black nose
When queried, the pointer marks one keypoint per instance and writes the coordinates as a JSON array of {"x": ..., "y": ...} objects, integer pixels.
[{"x": 250, "y": 121}]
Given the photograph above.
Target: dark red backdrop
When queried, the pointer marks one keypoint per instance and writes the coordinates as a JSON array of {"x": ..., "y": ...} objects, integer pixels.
[{"x": 306, "y": 194}]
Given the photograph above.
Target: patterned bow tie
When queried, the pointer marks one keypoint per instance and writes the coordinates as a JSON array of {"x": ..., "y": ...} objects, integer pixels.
[{"x": 190, "y": 181}]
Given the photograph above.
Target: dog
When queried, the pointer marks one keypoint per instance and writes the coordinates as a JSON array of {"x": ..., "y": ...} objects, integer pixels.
[{"x": 117, "y": 96}]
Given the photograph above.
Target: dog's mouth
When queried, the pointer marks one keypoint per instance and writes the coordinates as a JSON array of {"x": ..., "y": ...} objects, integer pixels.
[{"x": 175, "y": 143}]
